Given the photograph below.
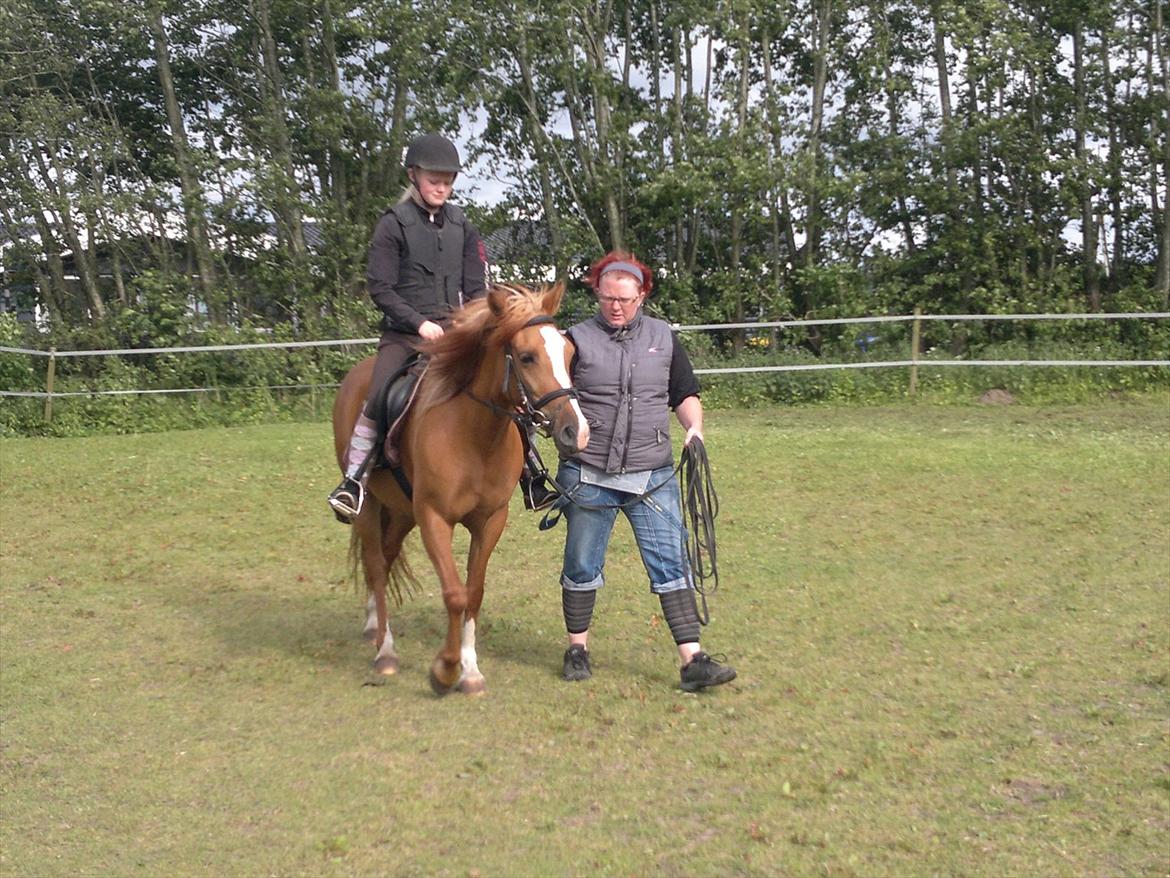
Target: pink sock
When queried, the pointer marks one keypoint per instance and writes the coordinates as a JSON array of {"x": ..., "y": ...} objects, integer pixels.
[{"x": 361, "y": 443}]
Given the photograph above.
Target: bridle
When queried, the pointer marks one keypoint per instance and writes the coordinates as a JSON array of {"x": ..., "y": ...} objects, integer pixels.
[{"x": 531, "y": 414}]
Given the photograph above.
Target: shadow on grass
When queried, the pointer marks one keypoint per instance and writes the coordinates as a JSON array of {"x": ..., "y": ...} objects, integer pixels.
[{"x": 294, "y": 627}]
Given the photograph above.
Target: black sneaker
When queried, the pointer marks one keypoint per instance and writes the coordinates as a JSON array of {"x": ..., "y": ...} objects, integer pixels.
[
  {"x": 576, "y": 663},
  {"x": 536, "y": 492},
  {"x": 346, "y": 500},
  {"x": 703, "y": 671}
]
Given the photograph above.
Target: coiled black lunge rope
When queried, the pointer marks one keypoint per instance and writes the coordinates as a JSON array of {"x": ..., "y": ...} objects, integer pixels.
[{"x": 700, "y": 505}]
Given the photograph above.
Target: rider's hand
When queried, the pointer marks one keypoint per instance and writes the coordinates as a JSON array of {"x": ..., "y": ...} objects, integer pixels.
[
  {"x": 429, "y": 330},
  {"x": 691, "y": 434}
]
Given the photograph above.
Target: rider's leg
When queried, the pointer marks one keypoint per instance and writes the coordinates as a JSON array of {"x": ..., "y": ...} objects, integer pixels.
[{"x": 347, "y": 498}]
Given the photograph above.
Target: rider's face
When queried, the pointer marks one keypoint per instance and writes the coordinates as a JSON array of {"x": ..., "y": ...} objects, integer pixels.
[{"x": 434, "y": 186}]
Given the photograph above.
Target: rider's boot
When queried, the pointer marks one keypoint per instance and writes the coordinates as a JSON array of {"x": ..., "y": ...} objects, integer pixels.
[
  {"x": 347, "y": 498},
  {"x": 534, "y": 487}
]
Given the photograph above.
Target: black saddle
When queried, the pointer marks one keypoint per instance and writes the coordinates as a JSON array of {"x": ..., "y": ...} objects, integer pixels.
[{"x": 394, "y": 399}]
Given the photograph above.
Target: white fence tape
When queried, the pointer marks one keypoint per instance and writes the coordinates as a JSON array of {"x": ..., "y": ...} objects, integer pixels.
[
  {"x": 195, "y": 349},
  {"x": 774, "y": 324},
  {"x": 899, "y": 318},
  {"x": 927, "y": 364},
  {"x": 731, "y": 370},
  {"x": 40, "y": 394}
]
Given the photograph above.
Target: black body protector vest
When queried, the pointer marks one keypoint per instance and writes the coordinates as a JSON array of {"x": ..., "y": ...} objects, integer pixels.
[{"x": 430, "y": 272}]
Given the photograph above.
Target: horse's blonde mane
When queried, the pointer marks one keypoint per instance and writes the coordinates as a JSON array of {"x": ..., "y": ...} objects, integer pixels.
[{"x": 475, "y": 331}]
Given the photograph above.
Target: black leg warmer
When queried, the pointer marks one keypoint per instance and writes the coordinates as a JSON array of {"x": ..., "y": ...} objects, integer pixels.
[
  {"x": 578, "y": 608},
  {"x": 678, "y": 607}
]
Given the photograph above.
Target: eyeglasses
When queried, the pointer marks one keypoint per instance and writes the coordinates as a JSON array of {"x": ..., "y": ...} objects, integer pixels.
[{"x": 618, "y": 300}]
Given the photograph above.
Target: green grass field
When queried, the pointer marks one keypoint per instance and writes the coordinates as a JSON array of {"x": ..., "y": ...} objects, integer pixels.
[{"x": 951, "y": 625}]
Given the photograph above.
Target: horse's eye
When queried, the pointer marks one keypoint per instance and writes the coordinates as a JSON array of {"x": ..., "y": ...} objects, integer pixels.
[{"x": 527, "y": 359}]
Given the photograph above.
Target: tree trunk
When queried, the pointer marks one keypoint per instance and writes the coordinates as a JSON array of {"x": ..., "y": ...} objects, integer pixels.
[
  {"x": 287, "y": 206},
  {"x": 552, "y": 217},
  {"x": 676, "y": 142},
  {"x": 1112, "y": 119},
  {"x": 55, "y": 262},
  {"x": 944, "y": 100},
  {"x": 45, "y": 282},
  {"x": 339, "y": 187},
  {"x": 609, "y": 153},
  {"x": 735, "y": 201},
  {"x": 974, "y": 241},
  {"x": 656, "y": 85},
  {"x": 64, "y": 218},
  {"x": 1088, "y": 225},
  {"x": 1162, "y": 273},
  {"x": 894, "y": 120},
  {"x": 193, "y": 200},
  {"x": 119, "y": 277},
  {"x": 817, "y": 114},
  {"x": 775, "y": 254}
]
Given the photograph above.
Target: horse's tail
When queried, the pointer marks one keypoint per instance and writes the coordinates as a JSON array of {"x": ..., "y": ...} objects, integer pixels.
[
  {"x": 355, "y": 558},
  {"x": 401, "y": 580}
]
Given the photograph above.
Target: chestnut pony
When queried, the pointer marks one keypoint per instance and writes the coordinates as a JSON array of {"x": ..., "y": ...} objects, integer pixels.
[{"x": 501, "y": 361}]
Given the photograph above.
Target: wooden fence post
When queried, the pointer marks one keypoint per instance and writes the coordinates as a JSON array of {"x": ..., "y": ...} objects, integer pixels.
[
  {"x": 49, "y": 380},
  {"x": 915, "y": 345}
]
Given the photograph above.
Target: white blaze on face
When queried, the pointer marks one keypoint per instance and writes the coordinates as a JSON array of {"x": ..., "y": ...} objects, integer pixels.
[
  {"x": 554, "y": 344},
  {"x": 467, "y": 653}
]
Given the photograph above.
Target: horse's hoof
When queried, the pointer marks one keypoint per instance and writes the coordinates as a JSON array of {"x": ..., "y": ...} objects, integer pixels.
[
  {"x": 370, "y": 635},
  {"x": 438, "y": 686},
  {"x": 474, "y": 688},
  {"x": 386, "y": 665}
]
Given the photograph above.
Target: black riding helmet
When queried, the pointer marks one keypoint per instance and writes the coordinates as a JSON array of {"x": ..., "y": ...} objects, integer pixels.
[{"x": 433, "y": 152}]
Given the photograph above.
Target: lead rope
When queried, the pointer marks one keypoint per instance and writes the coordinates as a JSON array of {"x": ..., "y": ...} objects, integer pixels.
[{"x": 700, "y": 505}]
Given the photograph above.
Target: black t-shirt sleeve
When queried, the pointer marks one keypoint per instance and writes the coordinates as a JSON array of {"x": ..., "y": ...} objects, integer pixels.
[{"x": 683, "y": 380}]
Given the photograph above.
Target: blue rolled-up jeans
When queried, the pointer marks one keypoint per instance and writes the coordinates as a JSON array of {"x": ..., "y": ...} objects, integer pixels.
[{"x": 656, "y": 520}]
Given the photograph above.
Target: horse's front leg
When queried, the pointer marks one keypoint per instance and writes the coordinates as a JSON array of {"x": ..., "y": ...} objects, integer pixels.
[
  {"x": 437, "y": 537},
  {"x": 484, "y": 536}
]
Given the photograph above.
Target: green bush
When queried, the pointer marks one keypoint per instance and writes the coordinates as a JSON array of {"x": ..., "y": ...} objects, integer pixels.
[{"x": 276, "y": 384}]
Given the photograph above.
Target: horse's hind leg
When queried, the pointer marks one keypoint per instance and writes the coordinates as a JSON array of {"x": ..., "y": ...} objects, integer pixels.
[
  {"x": 484, "y": 537},
  {"x": 370, "y": 631},
  {"x": 381, "y": 537}
]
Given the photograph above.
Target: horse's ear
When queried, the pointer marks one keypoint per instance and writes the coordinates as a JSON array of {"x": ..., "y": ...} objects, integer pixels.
[
  {"x": 498, "y": 300},
  {"x": 550, "y": 303}
]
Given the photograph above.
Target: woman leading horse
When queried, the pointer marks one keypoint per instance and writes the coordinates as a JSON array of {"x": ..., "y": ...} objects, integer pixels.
[{"x": 501, "y": 362}]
